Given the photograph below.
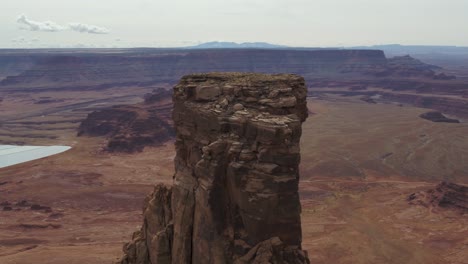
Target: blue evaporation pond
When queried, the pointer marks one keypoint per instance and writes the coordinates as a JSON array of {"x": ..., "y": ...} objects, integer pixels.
[{"x": 11, "y": 155}]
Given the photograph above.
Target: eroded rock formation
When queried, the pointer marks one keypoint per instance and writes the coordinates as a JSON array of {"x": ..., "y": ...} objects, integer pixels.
[
  {"x": 235, "y": 193},
  {"x": 438, "y": 117},
  {"x": 446, "y": 195},
  {"x": 130, "y": 128}
]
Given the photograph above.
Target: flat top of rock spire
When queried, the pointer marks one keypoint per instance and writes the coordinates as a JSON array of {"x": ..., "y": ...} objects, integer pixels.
[
  {"x": 231, "y": 92},
  {"x": 243, "y": 76}
]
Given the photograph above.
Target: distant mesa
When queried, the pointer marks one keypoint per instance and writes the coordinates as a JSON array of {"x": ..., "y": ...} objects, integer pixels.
[
  {"x": 407, "y": 66},
  {"x": 446, "y": 195},
  {"x": 435, "y": 116},
  {"x": 410, "y": 62},
  {"x": 357, "y": 70},
  {"x": 325, "y": 67},
  {"x": 397, "y": 49},
  {"x": 234, "y": 45}
]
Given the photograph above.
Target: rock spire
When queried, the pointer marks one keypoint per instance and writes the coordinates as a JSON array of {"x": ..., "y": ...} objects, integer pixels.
[{"x": 235, "y": 193}]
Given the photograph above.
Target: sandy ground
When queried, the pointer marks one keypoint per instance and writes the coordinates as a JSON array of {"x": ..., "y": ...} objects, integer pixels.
[{"x": 95, "y": 202}]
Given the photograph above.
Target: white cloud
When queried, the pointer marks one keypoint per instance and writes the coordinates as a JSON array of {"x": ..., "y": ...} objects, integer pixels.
[
  {"x": 49, "y": 26},
  {"x": 31, "y": 25},
  {"x": 85, "y": 28}
]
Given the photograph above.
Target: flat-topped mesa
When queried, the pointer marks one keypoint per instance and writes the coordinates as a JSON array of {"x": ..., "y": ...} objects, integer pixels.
[{"x": 235, "y": 193}]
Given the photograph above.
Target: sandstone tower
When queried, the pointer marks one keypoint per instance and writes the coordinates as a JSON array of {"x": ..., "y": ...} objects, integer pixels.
[{"x": 234, "y": 197}]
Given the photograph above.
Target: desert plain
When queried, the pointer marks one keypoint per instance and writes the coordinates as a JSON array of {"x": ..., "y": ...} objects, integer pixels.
[
  {"x": 353, "y": 193},
  {"x": 361, "y": 161}
]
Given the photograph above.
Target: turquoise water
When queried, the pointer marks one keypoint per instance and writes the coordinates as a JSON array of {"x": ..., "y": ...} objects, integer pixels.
[{"x": 11, "y": 155}]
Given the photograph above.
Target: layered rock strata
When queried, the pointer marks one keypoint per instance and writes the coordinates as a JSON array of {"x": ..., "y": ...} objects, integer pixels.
[
  {"x": 76, "y": 70},
  {"x": 235, "y": 193}
]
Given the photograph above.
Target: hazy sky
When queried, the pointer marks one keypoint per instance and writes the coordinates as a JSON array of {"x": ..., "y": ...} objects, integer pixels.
[{"x": 156, "y": 23}]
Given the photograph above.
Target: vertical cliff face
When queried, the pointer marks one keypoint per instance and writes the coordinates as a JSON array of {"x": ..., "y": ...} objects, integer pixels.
[{"x": 235, "y": 192}]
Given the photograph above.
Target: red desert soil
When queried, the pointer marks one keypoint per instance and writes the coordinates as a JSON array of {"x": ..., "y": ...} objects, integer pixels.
[
  {"x": 354, "y": 210},
  {"x": 95, "y": 202}
]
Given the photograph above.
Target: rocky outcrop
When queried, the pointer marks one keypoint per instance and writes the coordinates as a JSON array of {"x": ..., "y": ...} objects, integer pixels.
[
  {"x": 400, "y": 67},
  {"x": 235, "y": 193},
  {"x": 153, "y": 243},
  {"x": 408, "y": 66},
  {"x": 446, "y": 195},
  {"x": 411, "y": 67},
  {"x": 438, "y": 117},
  {"x": 130, "y": 128}
]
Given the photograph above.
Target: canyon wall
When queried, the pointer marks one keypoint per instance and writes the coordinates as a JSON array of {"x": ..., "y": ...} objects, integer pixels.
[
  {"x": 82, "y": 70},
  {"x": 235, "y": 193},
  {"x": 15, "y": 65}
]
